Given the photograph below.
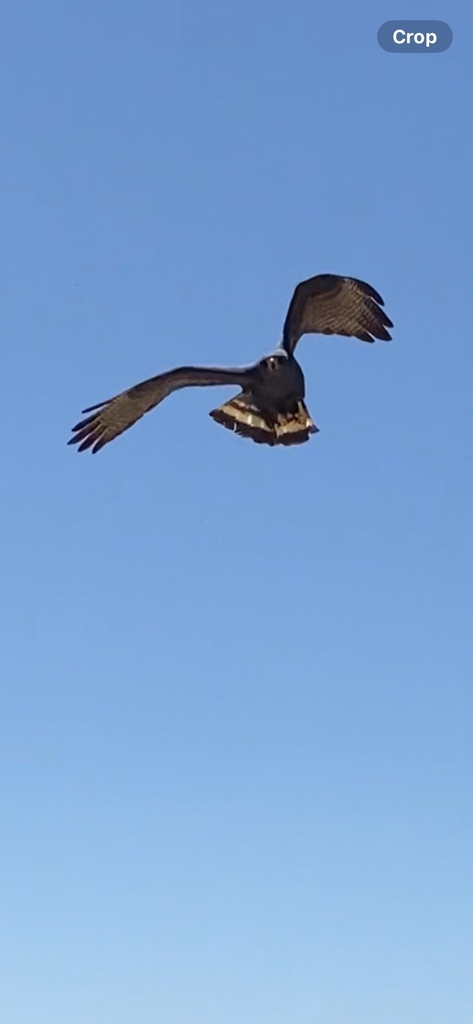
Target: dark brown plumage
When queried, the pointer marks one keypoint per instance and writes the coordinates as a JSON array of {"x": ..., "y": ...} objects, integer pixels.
[
  {"x": 329, "y": 304},
  {"x": 111, "y": 417},
  {"x": 270, "y": 408}
]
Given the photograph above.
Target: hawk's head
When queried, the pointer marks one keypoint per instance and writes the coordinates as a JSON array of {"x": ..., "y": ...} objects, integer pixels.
[{"x": 275, "y": 361}]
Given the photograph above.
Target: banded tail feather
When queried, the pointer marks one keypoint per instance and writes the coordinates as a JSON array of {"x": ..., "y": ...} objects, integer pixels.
[{"x": 242, "y": 416}]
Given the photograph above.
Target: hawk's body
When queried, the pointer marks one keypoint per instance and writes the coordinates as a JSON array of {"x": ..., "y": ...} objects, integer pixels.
[{"x": 270, "y": 407}]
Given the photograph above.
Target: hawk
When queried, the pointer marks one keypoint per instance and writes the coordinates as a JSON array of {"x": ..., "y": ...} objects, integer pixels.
[{"x": 270, "y": 407}]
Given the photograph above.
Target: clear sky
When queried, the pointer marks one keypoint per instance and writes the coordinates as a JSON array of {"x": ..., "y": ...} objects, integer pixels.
[{"x": 236, "y": 711}]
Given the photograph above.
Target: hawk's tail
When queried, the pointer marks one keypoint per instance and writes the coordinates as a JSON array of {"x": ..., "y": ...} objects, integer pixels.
[{"x": 242, "y": 416}]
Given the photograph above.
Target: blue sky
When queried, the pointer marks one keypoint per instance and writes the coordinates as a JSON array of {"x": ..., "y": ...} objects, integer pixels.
[{"x": 236, "y": 703}]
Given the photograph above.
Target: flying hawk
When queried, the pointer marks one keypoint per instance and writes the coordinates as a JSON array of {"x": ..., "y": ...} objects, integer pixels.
[{"x": 270, "y": 407}]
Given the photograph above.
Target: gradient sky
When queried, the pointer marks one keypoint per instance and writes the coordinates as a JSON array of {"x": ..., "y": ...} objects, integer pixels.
[{"x": 236, "y": 716}]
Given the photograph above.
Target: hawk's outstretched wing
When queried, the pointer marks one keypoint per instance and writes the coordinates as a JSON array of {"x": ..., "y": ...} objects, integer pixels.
[
  {"x": 329, "y": 304},
  {"x": 117, "y": 414}
]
